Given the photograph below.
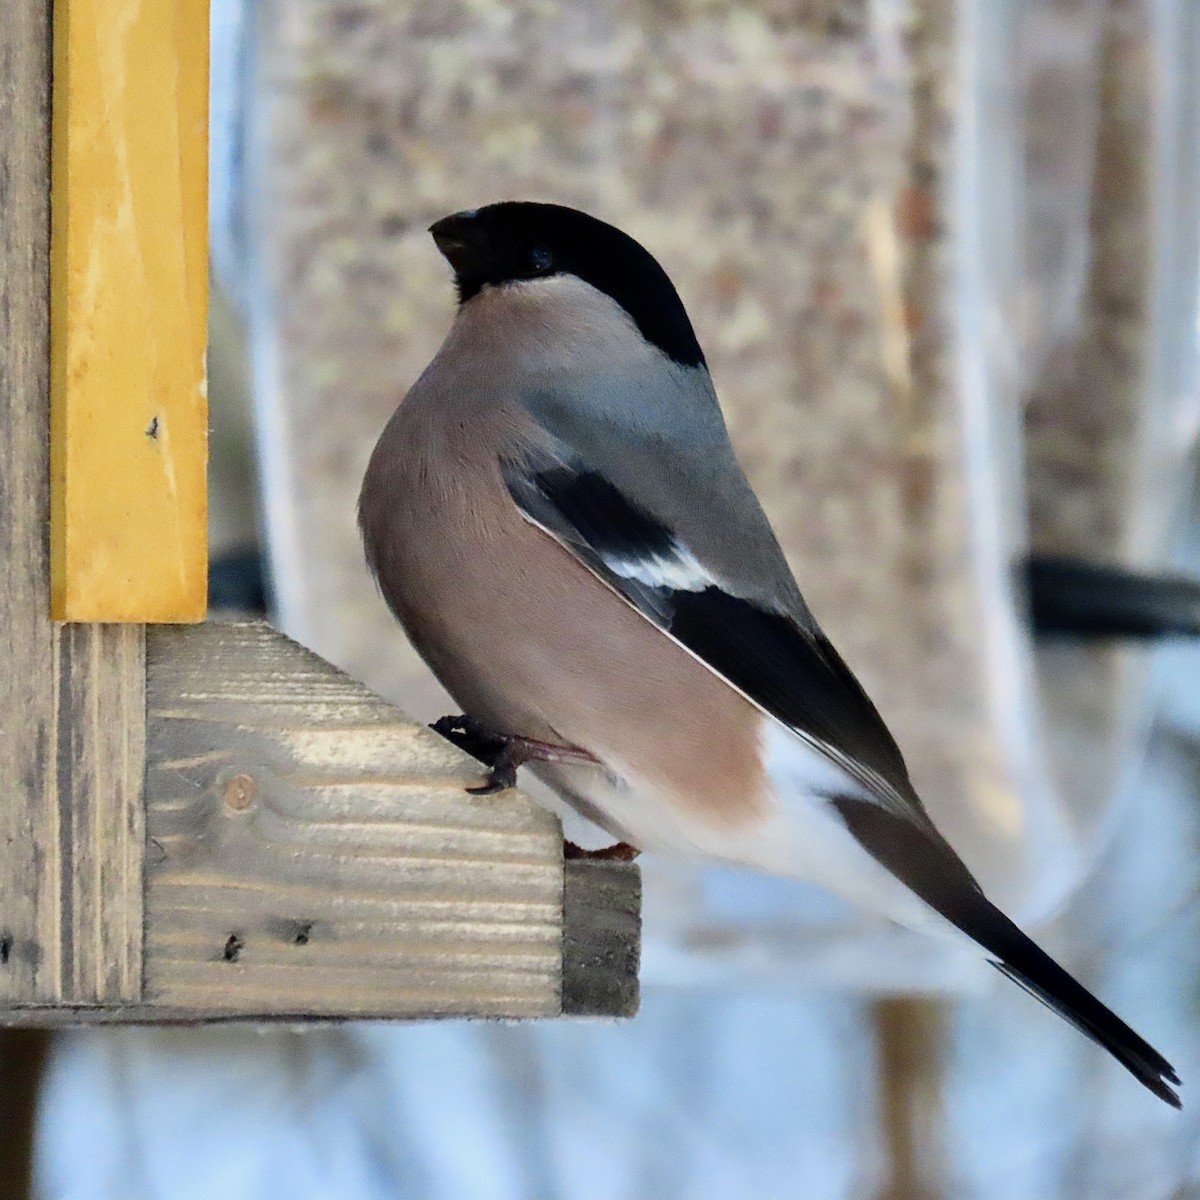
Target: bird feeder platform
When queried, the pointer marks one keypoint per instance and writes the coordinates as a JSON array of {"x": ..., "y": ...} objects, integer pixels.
[{"x": 206, "y": 821}]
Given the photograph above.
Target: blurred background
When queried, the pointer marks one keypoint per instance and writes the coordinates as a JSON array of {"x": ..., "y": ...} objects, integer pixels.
[{"x": 944, "y": 259}]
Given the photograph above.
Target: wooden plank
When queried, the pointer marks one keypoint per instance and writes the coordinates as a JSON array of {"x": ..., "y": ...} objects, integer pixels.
[
  {"x": 601, "y": 938},
  {"x": 26, "y": 684},
  {"x": 313, "y": 852},
  {"x": 99, "y": 769},
  {"x": 130, "y": 263},
  {"x": 71, "y": 709}
]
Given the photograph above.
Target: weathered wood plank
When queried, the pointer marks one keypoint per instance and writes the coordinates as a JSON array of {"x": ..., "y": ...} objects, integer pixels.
[
  {"x": 99, "y": 769},
  {"x": 71, "y": 700},
  {"x": 312, "y": 852},
  {"x": 130, "y": 271},
  {"x": 26, "y": 682},
  {"x": 601, "y": 938}
]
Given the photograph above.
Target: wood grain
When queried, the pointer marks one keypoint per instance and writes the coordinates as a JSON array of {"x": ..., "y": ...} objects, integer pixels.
[
  {"x": 71, "y": 710},
  {"x": 313, "y": 852},
  {"x": 99, "y": 769},
  {"x": 130, "y": 271},
  {"x": 601, "y": 938},
  {"x": 26, "y": 683}
]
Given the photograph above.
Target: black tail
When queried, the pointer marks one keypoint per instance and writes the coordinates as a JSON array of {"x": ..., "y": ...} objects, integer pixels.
[
  {"x": 1025, "y": 963},
  {"x": 919, "y": 856}
]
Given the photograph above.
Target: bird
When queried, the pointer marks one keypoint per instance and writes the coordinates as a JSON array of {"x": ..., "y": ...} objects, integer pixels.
[{"x": 556, "y": 516}]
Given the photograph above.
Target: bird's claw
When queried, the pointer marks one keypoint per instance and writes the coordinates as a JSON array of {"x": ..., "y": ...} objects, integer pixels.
[{"x": 501, "y": 777}]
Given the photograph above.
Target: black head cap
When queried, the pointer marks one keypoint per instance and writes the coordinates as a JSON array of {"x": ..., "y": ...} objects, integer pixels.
[{"x": 509, "y": 242}]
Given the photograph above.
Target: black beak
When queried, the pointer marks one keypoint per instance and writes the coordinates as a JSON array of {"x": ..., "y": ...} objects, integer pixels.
[{"x": 458, "y": 238}]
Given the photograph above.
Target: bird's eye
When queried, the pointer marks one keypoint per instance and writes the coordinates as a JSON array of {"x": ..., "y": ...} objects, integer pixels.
[{"x": 540, "y": 258}]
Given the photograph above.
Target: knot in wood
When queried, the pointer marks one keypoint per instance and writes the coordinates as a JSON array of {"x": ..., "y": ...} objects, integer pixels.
[{"x": 240, "y": 792}]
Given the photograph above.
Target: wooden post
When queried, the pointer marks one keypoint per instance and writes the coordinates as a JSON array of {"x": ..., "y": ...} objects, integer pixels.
[
  {"x": 911, "y": 1041},
  {"x": 232, "y": 828},
  {"x": 71, "y": 707},
  {"x": 129, "y": 266}
]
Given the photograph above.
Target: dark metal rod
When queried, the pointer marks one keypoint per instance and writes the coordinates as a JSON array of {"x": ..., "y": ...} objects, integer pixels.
[{"x": 1072, "y": 598}]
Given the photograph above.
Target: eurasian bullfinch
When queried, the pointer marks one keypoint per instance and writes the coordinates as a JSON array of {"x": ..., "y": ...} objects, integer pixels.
[{"x": 556, "y": 516}]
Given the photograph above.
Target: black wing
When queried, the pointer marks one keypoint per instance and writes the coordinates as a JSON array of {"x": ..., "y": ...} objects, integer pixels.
[
  {"x": 790, "y": 671},
  {"x": 793, "y": 673}
]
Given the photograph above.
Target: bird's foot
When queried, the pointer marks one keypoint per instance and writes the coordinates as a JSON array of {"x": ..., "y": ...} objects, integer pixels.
[
  {"x": 472, "y": 736},
  {"x": 503, "y": 753},
  {"x": 621, "y": 852}
]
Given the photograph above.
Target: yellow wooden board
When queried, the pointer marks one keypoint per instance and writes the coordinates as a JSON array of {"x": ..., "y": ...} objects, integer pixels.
[{"x": 129, "y": 294}]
